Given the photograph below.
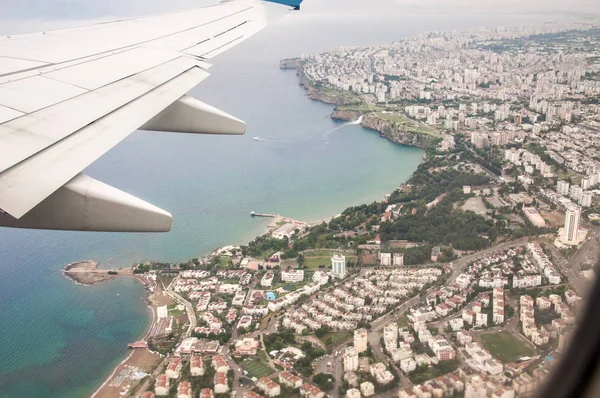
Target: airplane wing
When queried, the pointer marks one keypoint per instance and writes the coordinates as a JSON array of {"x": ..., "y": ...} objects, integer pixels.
[{"x": 68, "y": 96}]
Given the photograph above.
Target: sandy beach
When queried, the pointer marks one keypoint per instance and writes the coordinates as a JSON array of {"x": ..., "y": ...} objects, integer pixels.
[{"x": 122, "y": 380}]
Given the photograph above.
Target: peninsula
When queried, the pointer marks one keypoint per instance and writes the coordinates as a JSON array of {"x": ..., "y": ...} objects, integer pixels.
[{"x": 88, "y": 273}]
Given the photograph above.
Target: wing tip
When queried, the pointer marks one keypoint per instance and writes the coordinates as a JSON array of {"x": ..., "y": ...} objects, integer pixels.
[{"x": 292, "y": 3}]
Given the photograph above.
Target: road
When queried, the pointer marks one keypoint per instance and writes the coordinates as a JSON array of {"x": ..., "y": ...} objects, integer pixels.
[
  {"x": 588, "y": 253},
  {"x": 375, "y": 342},
  {"x": 189, "y": 308},
  {"x": 458, "y": 267}
]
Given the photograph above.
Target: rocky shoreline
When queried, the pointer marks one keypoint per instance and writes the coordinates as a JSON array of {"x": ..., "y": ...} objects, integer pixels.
[
  {"x": 87, "y": 273},
  {"x": 385, "y": 128}
]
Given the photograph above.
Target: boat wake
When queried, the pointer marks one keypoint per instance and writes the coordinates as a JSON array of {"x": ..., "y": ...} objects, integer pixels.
[
  {"x": 328, "y": 132},
  {"x": 325, "y": 135},
  {"x": 275, "y": 140}
]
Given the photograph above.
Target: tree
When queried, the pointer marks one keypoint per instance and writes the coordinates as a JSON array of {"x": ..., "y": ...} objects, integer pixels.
[
  {"x": 324, "y": 381},
  {"x": 322, "y": 331}
]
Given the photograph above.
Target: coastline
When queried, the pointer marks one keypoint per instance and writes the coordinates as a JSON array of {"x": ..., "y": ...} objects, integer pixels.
[
  {"x": 401, "y": 138},
  {"x": 138, "y": 357},
  {"x": 350, "y": 107},
  {"x": 124, "y": 361}
]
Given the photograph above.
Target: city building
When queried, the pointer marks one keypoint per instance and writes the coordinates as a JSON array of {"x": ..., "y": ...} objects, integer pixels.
[
  {"x": 246, "y": 347},
  {"x": 184, "y": 390},
  {"x": 398, "y": 259},
  {"x": 562, "y": 188},
  {"x": 575, "y": 192},
  {"x": 408, "y": 365},
  {"x": 206, "y": 393},
  {"x": 385, "y": 259},
  {"x": 572, "y": 216},
  {"x": 338, "y": 266},
  {"x": 586, "y": 199},
  {"x": 536, "y": 219},
  {"x": 360, "y": 340},
  {"x": 221, "y": 383},
  {"x": 197, "y": 366},
  {"x": 367, "y": 389},
  {"x": 268, "y": 386},
  {"x": 219, "y": 364},
  {"x": 290, "y": 380},
  {"x": 292, "y": 275},
  {"x": 161, "y": 388},
  {"x": 353, "y": 393},
  {"x": 350, "y": 359},
  {"x": 309, "y": 391},
  {"x": 173, "y": 368},
  {"x": 267, "y": 280}
]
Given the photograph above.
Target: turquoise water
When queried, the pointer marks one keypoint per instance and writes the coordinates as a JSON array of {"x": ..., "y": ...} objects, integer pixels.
[{"x": 58, "y": 339}]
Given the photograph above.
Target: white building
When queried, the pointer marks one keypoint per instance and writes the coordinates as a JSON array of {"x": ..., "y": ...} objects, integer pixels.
[
  {"x": 292, "y": 275},
  {"x": 408, "y": 365},
  {"x": 197, "y": 366},
  {"x": 562, "y": 187},
  {"x": 338, "y": 266},
  {"x": 398, "y": 259},
  {"x": 572, "y": 216},
  {"x": 575, "y": 192},
  {"x": 353, "y": 393},
  {"x": 350, "y": 360},
  {"x": 586, "y": 199},
  {"x": 267, "y": 280},
  {"x": 367, "y": 388},
  {"x": 162, "y": 385},
  {"x": 385, "y": 258},
  {"x": 381, "y": 374},
  {"x": 162, "y": 312},
  {"x": 360, "y": 340},
  {"x": 481, "y": 319},
  {"x": 220, "y": 382},
  {"x": 390, "y": 336},
  {"x": 269, "y": 387},
  {"x": 184, "y": 390}
]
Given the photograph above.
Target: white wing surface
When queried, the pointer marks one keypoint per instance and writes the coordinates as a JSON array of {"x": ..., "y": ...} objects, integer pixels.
[{"x": 68, "y": 96}]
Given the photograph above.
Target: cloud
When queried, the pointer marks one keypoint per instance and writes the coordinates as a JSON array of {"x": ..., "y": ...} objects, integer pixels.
[{"x": 541, "y": 7}]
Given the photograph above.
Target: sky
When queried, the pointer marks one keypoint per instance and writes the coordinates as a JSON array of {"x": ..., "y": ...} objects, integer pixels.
[{"x": 91, "y": 9}]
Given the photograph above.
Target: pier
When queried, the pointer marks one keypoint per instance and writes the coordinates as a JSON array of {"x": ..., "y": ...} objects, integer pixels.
[
  {"x": 138, "y": 344},
  {"x": 255, "y": 214}
]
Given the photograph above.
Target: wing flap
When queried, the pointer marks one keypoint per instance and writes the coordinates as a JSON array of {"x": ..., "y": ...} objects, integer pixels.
[
  {"x": 188, "y": 115},
  {"x": 85, "y": 204}
]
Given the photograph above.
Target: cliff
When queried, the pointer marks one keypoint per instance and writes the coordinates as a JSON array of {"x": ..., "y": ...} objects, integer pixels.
[
  {"x": 292, "y": 63},
  {"x": 328, "y": 97},
  {"x": 345, "y": 115},
  {"x": 385, "y": 128},
  {"x": 389, "y": 132}
]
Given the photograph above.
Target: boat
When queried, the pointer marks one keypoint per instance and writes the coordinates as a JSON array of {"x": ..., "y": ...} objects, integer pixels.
[{"x": 256, "y": 138}]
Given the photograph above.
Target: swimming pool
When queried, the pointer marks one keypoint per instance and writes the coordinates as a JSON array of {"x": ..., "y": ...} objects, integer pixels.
[{"x": 270, "y": 296}]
